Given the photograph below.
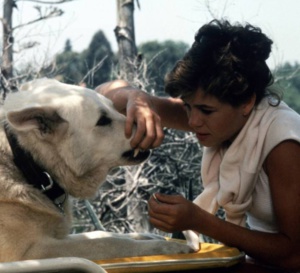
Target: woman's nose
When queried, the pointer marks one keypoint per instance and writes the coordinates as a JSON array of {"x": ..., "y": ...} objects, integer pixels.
[{"x": 195, "y": 119}]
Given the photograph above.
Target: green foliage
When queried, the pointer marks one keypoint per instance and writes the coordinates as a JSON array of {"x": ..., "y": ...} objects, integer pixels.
[
  {"x": 91, "y": 67},
  {"x": 68, "y": 46},
  {"x": 94, "y": 65},
  {"x": 69, "y": 67},
  {"x": 160, "y": 58},
  {"x": 287, "y": 77},
  {"x": 98, "y": 59}
]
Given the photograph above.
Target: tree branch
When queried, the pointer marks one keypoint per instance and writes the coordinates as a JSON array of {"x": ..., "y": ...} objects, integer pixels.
[{"x": 55, "y": 12}]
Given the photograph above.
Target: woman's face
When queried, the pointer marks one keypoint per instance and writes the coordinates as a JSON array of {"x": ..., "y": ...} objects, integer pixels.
[{"x": 215, "y": 122}]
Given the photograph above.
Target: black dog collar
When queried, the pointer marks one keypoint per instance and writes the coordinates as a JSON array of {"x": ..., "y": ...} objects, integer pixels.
[{"x": 35, "y": 174}]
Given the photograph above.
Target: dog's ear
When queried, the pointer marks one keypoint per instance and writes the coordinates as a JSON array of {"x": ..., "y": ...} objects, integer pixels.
[{"x": 45, "y": 119}]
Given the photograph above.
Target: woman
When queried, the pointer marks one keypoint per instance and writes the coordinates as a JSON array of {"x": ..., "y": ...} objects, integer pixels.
[{"x": 221, "y": 90}]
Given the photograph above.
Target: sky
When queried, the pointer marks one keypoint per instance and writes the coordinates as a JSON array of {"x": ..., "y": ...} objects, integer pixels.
[{"x": 157, "y": 20}]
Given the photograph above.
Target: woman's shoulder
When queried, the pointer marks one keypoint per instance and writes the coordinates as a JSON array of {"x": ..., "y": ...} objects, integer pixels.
[{"x": 285, "y": 125}]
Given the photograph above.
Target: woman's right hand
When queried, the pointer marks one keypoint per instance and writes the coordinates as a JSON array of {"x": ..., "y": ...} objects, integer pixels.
[{"x": 142, "y": 121}]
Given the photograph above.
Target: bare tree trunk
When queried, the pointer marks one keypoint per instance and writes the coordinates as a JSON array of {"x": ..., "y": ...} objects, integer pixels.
[
  {"x": 7, "y": 51},
  {"x": 126, "y": 39}
]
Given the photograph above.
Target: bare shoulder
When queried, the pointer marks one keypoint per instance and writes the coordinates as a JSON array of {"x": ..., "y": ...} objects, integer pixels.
[
  {"x": 285, "y": 155},
  {"x": 282, "y": 165},
  {"x": 283, "y": 168}
]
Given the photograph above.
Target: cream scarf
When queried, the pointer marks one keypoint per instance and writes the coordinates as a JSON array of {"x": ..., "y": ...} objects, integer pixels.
[{"x": 229, "y": 177}]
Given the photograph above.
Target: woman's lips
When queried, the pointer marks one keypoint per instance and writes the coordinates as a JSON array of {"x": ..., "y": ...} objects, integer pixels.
[{"x": 202, "y": 136}]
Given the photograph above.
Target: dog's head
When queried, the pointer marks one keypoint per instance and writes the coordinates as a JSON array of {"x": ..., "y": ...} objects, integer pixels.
[{"x": 74, "y": 132}]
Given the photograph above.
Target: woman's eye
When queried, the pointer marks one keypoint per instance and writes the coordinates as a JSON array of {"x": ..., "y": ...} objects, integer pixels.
[
  {"x": 103, "y": 121},
  {"x": 206, "y": 112}
]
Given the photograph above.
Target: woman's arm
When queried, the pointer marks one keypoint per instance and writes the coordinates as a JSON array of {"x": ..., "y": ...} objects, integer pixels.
[
  {"x": 282, "y": 249},
  {"x": 148, "y": 112}
]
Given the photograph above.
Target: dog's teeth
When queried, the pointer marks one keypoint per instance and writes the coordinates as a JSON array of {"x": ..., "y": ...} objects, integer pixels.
[{"x": 136, "y": 152}]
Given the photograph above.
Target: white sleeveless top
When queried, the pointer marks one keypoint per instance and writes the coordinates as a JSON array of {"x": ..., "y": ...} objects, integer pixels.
[{"x": 261, "y": 217}]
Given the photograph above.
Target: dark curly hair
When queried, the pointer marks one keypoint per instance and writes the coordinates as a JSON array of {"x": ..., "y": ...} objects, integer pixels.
[{"x": 226, "y": 61}]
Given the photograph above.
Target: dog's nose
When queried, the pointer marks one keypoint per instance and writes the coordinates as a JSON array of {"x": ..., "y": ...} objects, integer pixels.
[{"x": 136, "y": 156}]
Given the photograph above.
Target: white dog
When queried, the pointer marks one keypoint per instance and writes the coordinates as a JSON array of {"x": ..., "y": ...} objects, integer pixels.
[{"x": 58, "y": 140}]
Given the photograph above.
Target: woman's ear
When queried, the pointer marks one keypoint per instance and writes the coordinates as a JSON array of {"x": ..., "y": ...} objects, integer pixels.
[{"x": 248, "y": 106}]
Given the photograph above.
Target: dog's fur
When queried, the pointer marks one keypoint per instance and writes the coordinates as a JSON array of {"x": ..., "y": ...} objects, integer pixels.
[{"x": 77, "y": 136}]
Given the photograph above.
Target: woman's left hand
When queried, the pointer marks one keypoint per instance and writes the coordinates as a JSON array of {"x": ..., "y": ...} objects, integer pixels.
[{"x": 171, "y": 213}]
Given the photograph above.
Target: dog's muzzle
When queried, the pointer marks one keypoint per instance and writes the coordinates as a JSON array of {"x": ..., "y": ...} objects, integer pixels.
[{"x": 136, "y": 155}]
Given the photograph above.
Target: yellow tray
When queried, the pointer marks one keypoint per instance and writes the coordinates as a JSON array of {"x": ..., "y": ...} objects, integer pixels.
[{"x": 210, "y": 256}]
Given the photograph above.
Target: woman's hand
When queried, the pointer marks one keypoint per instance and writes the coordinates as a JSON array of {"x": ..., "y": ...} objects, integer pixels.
[
  {"x": 143, "y": 122},
  {"x": 146, "y": 114},
  {"x": 171, "y": 213},
  {"x": 141, "y": 113}
]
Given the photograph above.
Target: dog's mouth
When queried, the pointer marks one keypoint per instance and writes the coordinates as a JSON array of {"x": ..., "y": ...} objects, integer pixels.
[{"x": 136, "y": 155}]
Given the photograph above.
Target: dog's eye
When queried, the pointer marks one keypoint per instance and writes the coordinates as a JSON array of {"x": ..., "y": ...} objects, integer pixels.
[{"x": 103, "y": 121}]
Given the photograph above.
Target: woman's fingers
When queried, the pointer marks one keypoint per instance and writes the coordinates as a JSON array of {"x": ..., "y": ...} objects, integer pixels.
[
  {"x": 171, "y": 212},
  {"x": 129, "y": 124},
  {"x": 145, "y": 126},
  {"x": 153, "y": 133},
  {"x": 169, "y": 199},
  {"x": 157, "y": 215},
  {"x": 159, "y": 134}
]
